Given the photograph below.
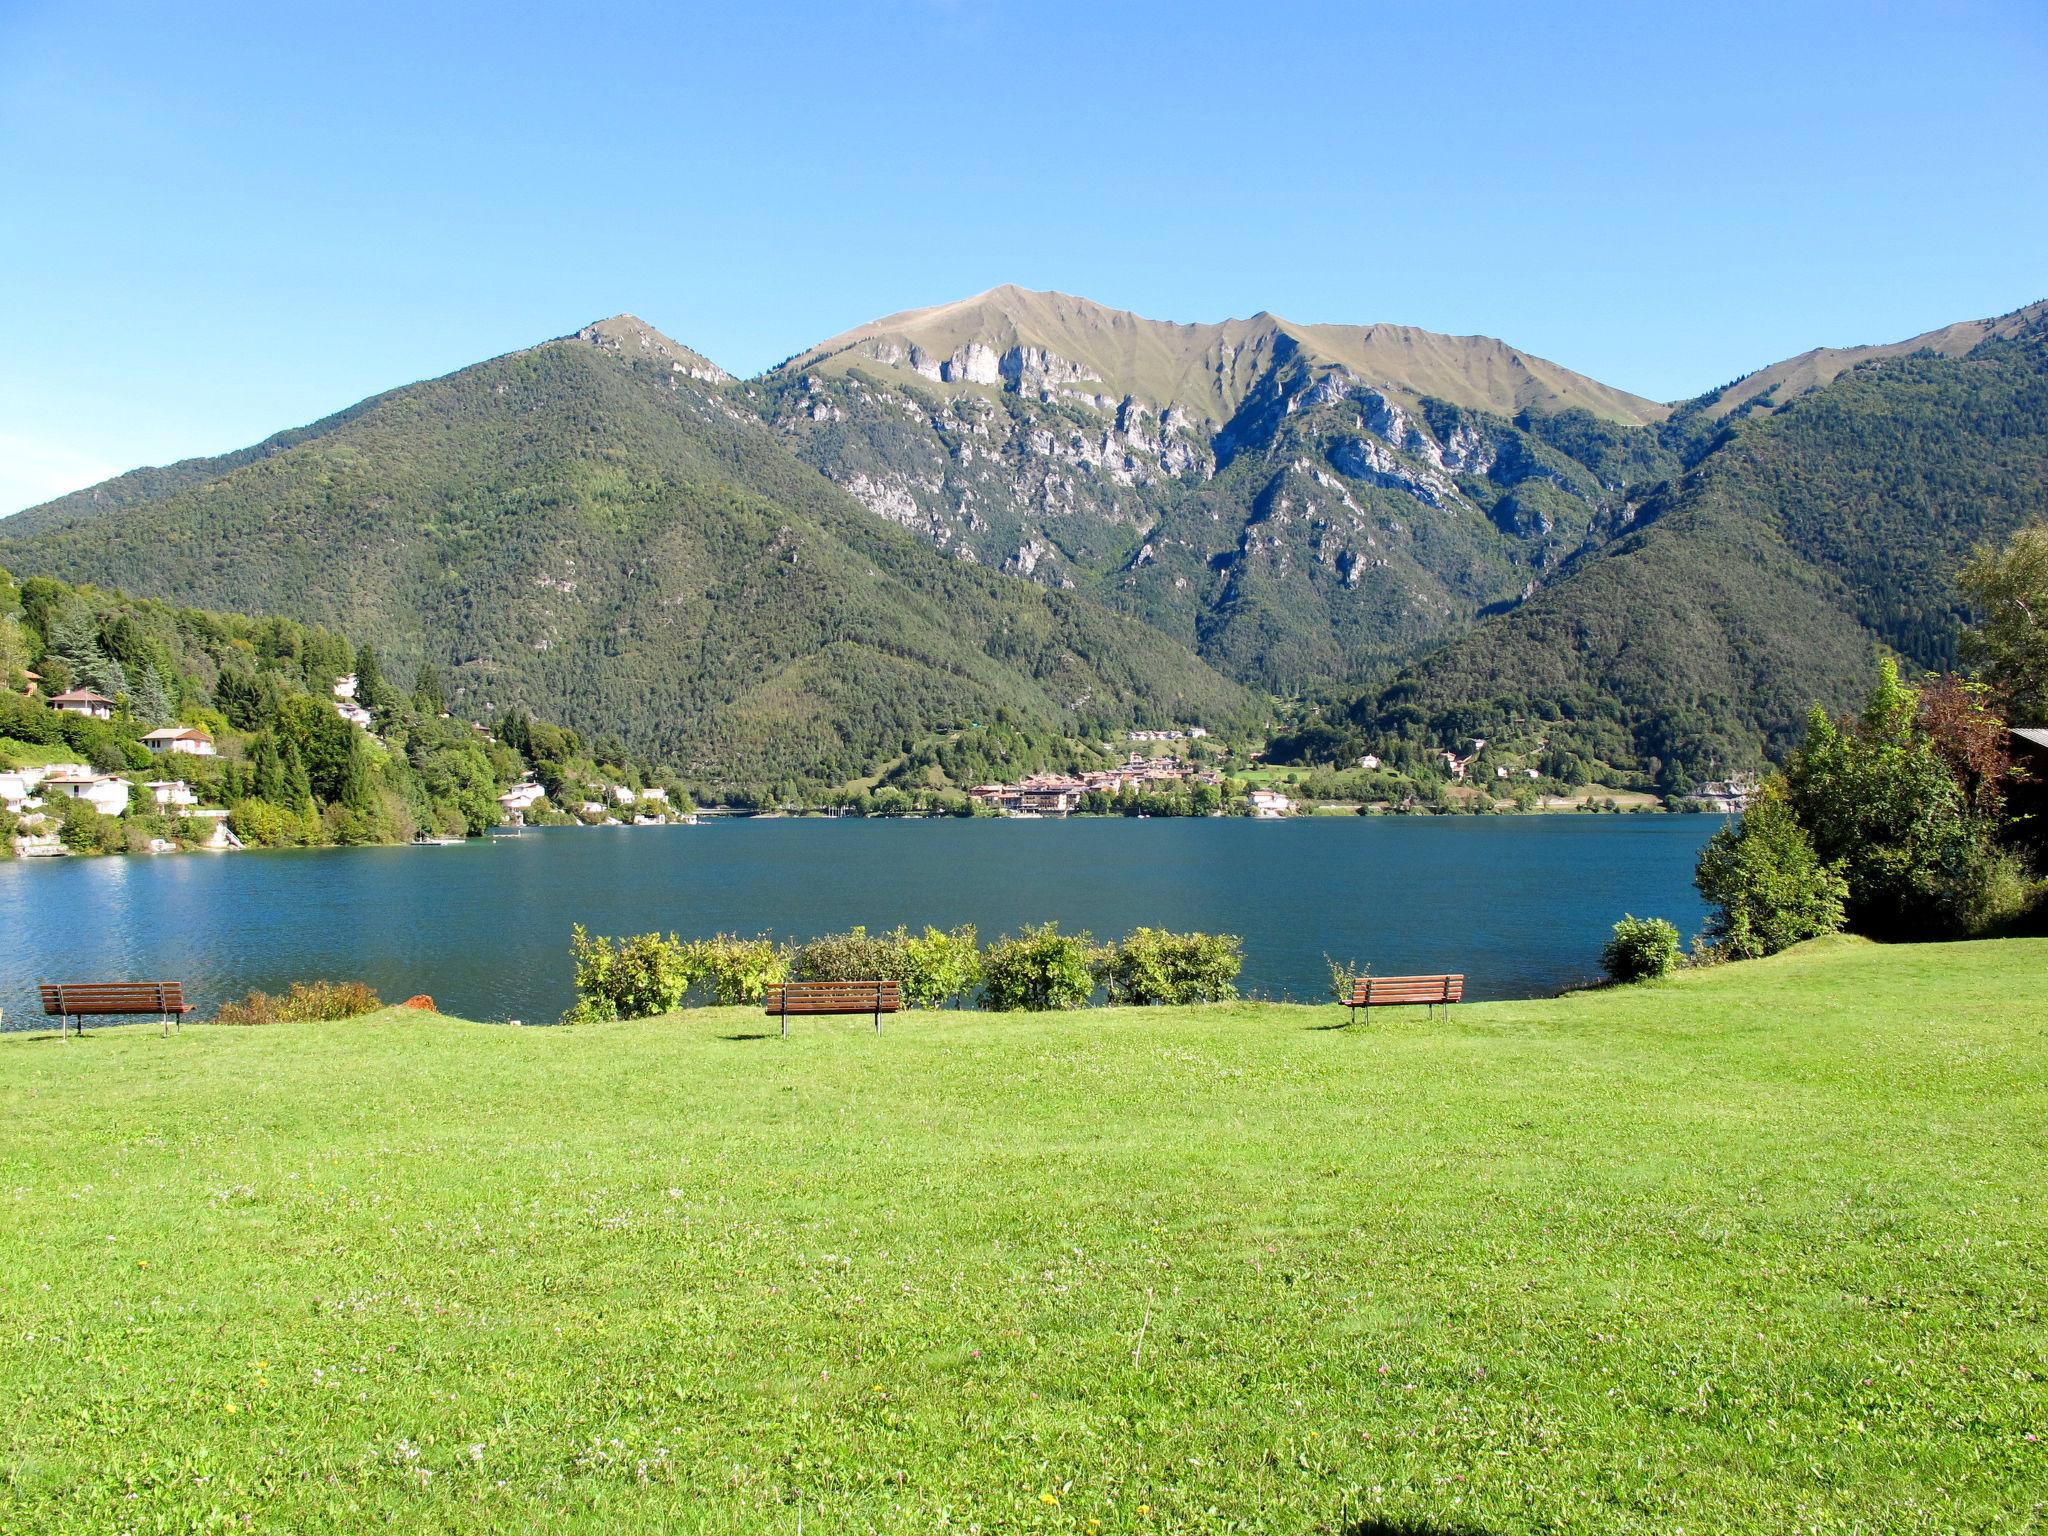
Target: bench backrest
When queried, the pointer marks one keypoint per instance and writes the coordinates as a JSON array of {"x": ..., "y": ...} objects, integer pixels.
[
  {"x": 79, "y": 997},
  {"x": 836, "y": 997},
  {"x": 1376, "y": 991}
]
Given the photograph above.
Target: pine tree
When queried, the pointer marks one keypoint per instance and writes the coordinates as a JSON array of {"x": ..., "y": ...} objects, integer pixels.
[
  {"x": 266, "y": 770},
  {"x": 370, "y": 690},
  {"x": 427, "y": 693},
  {"x": 152, "y": 700},
  {"x": 296, "y": 790}
]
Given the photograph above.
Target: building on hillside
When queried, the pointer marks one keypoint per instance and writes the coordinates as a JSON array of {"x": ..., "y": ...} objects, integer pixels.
[
  {"x": 519, "y": 799},
  {"x": 1455, "y": 764},
  {"x": 83, "y": 701},
  {"x": 173, "y": 795},
  {"x": 1269, "y": 803},
  {"x": 33, "y": 679},
  {"x": 353, "y": 713},
  {"x": 345, "y": 687},
  {"x": 1370, "y": 760},
  {"x": 106, "y": 793},
  {"x": 180, "y": 738}
]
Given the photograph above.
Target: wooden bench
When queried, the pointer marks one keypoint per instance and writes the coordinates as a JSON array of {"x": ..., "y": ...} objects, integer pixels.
[
  {"x": 1405, "y": 991},
  {"x": 814, "y": 997},
  {"x": 77, "y": 999}
]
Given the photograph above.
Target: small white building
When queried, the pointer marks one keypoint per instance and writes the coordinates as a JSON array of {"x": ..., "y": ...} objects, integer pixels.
[
  {"x": 353, "y": 713},
  {"x": 173, "y": 795},
  {"x": 1370, "y": 760},
  {"x": 106, "y": 793},
  {"x": 83, "y": 701},
  {"x": 18, "y": 785},
  {"x": 517, "y": 800},
  {"x": 1269, "y": 803},
  {"x": 180, "y": 738},
  {"x": 345, "y": 687}
]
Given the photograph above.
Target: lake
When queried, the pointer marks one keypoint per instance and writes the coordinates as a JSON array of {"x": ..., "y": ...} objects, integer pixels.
[{"x": 1521, "y": 904}]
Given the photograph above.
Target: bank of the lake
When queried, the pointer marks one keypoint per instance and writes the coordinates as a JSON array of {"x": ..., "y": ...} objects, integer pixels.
[
  {"x": 1521, "y": 904},
  {"x": 1755, "y": 1250}
]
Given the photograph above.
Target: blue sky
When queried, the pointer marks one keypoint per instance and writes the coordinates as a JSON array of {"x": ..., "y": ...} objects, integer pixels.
[{"x": 219, "y": 220}]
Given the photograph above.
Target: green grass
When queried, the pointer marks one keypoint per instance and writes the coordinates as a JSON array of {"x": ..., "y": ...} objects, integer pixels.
[{"x": 1759, "y": 1249}]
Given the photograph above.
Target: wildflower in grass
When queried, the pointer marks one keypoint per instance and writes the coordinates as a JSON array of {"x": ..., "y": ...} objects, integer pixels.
[
  {"x": 1049, "y": 1498},
  {"x": 229, "y": 1407}
]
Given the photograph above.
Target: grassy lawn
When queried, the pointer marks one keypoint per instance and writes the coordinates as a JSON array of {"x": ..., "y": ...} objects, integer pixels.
[{"x": 1760, "y": 1249}]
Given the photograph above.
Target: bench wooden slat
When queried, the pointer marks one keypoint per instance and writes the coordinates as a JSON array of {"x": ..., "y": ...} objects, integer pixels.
[
  {"x": 1405, "y": 991},
  {"x": 83, "y": 999},
  {"x": 813, "y": 998}
]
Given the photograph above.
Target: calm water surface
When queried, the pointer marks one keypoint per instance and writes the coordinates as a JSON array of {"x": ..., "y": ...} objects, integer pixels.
[{"x": 1520, "y": 904}]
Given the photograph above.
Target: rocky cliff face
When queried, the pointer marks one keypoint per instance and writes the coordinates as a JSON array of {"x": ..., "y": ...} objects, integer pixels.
[{"x": 1299, "y": 520}]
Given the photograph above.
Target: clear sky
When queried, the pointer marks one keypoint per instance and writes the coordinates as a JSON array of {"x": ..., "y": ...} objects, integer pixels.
[{"x": 221, "y": 219}]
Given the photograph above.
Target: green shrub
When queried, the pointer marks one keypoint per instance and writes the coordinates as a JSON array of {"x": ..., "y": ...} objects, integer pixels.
[
  {"x": 1768, "y": 886},
  {"x": 932, "y": 967},
  {"x": 734, "y": 970},
  {"x": 1040, "y": 969},
  {"x": 853, "y": 956},
  {"x": 1642, "y": 949},
  {"x": 1152, "y": 965},
  {"x": 304, "y": 1002},
  {"x": 629, "y": 978},
  {"x": 938, "y": 967}
]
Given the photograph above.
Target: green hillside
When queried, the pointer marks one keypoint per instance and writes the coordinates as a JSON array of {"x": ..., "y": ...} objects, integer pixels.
[
  {"x": 590, "y": 530},
  {"x": 285, "y": 766},
  {"x": 1761, "y": 582},
  {"x": 1755, "y": 1250}
]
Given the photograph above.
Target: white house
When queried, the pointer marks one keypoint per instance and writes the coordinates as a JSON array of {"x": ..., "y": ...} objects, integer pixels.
[
  {"x": 516, "y": 800},
  {"x": 1269, "y": 803},
  {"x": 173, "y": 795},
  {"x": 1369, "y": 761},
  {"x": 106, "y": 793},
  {"x": 179, "y": 738},
  {"x": 353, "y": 713},
  {"x": 18, "y": 785},
  {"x": 83, "y": 701},
  {"x": 655, "y": 794},
  {"x": 345, "y": 687}
]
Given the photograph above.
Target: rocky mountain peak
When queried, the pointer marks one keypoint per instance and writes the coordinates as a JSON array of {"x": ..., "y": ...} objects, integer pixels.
[{"x": 634, "y": 339}]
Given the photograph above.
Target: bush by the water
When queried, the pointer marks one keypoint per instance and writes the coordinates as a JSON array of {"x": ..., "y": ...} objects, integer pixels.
[
  {"x": 1642, "y": 949},
  {"x": 303, "y": 1002},
  {"x": 646, "y": 974},
  {"x": 1040, "y": 969},
  {"x": 932, "y": 968},
  {"x": 1154, "y": 966}
]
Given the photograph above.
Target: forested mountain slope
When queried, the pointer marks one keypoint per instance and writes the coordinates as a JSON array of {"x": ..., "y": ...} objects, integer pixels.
[
  {"x": 590, "y": 529},
  {"x": 1762, "y": 581}
]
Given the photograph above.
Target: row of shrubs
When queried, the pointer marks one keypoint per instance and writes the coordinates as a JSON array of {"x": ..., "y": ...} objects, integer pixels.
[{"x": 1039, "y": 969}]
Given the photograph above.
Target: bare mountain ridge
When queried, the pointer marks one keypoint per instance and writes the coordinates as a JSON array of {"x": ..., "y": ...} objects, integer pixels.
[
  {"x": 1060, "y": 346},
  {"x": 1818, "y": 367}
]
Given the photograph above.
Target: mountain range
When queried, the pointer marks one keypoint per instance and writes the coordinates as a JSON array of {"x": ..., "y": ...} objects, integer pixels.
[{"x": 1032, "y": 503}]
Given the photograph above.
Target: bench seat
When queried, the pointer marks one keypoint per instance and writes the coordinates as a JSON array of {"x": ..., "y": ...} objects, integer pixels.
[
  {"x": 799, "y": 998},
  {"x": 84, "y": 999},
  {"x": 1405, "y": 991}
]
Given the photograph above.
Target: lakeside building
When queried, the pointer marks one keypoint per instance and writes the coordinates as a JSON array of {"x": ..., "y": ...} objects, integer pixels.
[
  {"x": 1269, "y": 803},
  {"x": 106, "y": 793},
  {"x": 83, "y": 701},
  {"x": 1059, "y": 794},
  {"x": 520, "y": 798},
  {"x": 181, "y": 739}
]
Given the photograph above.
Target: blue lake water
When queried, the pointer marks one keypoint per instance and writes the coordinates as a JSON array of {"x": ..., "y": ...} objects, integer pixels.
[{"x": 1520, "y": 904}]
